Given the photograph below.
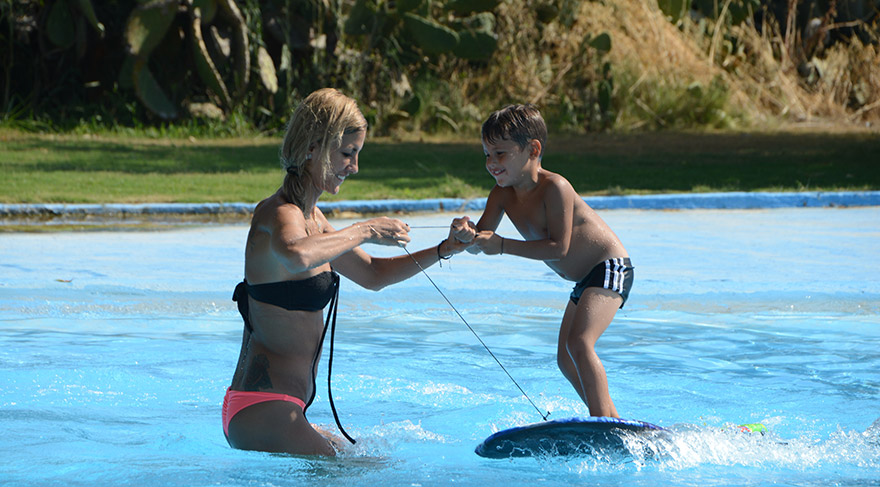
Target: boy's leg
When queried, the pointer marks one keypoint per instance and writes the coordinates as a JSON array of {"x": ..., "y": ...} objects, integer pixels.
[
  {"x": 581, "y": 327},
  {"x": 563, "y": 359}
]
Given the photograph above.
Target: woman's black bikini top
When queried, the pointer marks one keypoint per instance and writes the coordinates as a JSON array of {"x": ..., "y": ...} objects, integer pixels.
[{"x": 309, "y": 294}]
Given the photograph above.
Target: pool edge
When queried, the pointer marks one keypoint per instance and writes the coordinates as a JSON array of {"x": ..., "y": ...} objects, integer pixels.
[{"x": 674, "y": 201}]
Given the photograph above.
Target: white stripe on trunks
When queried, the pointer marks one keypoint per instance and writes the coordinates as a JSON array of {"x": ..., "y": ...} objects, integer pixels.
[
  {"x": 607, "y": 274},
  {"x": 619, "y": 274}
]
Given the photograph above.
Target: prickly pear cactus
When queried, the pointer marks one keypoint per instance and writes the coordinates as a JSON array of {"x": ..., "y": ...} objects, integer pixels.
[
  {"x": 430, "y": 36},
  {"x": 148, "y": 24}
]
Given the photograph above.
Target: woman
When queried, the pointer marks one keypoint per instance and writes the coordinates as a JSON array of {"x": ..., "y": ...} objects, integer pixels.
[{"x": 291, "y": 260}]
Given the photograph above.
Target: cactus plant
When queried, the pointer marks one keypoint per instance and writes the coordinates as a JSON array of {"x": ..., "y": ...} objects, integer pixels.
[
  {"x": 208, "y": 9},
  {"x": 149, "y": 25},
  {"x": 241, "y": 61},
  {"x": 404, "y": 33},
  {"x": 466, "y": 7},
  {"x": 546, "y": 12},
  {"x": 674, "y": 9},
  {"x": 475, "y": 45},
  {"x": 469, "y": 36},
  {"x": 150, "y": 93},
  {"x": 409, "y": 5},
  {"x": 204, "y": 63},
  {"x": 59, "y": 27},
  {"x": 86, "y": 9},
  {"x": 430, "y": 36},
  {"x": 360, "y": 18},
  {"x": 601, "y": 42},
  {"x": 146, "y": 26},
  {"x": 267, "y": 72},
  {"x": 65, "y": 28}
]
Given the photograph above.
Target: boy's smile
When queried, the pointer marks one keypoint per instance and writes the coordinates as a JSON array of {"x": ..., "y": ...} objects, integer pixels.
[{"x": 506, "y": 161}]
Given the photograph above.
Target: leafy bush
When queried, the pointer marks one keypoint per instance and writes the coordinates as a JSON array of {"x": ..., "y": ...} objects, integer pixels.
[{"x": 436, "y": 66}]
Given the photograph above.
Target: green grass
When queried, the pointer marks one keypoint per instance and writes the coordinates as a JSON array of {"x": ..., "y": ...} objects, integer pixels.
[{"x": 117, "y": 169}]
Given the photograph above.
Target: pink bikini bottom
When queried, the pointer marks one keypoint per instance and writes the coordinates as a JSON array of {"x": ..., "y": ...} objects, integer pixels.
[{"x": 235, "y": 401}]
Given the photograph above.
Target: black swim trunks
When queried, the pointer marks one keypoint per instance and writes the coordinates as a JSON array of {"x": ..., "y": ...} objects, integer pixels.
[{"x": 613, "y": 274}]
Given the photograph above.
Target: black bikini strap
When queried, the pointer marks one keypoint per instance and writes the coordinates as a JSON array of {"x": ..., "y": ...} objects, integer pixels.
[
  {"x": 334, "y": 303},
  {"x": 240, "y": 296},
  {"x": 331, "y": 324}
]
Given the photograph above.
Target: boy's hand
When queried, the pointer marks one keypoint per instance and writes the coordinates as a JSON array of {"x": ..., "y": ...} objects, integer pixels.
[
  {"x": 463, "y": 229},
  {"x": 488, "y": 242}
]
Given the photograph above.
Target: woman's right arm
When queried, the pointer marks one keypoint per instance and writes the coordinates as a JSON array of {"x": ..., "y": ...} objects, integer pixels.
[{"x": 299, "y": 251}]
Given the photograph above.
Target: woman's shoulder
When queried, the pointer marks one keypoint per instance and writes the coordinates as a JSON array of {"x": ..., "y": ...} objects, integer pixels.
[
  {"x": 275, "y": 212},
  {"x": 275, "y": 206}
]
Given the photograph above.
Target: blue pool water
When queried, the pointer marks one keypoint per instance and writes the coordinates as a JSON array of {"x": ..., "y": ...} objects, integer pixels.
[{"x": 116, "y": 349}]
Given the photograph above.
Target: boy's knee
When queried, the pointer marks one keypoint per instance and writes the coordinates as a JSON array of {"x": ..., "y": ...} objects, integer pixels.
[
  {"x": 563, "y": 361},
  {"x": 578, "y": 348}
]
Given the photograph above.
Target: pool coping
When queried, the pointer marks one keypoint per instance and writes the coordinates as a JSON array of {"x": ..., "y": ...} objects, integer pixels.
[{"x": 673, "y": 201}]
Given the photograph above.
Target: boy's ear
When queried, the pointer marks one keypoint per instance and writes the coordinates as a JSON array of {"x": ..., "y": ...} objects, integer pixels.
[{"x": 535, "y": 148}]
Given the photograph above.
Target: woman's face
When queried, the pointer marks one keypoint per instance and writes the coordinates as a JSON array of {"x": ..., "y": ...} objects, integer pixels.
[{"x": 344, "y": 161}]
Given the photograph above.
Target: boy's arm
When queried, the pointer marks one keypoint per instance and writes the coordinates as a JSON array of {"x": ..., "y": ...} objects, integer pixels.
[
  {"x": 490, "y": 219},
  {"x": 493, "y": 212},
  {"x": 559, "y": 208}
]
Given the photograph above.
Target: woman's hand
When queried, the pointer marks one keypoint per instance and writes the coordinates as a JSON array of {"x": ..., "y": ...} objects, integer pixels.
[{"x": 387, "y": 231}]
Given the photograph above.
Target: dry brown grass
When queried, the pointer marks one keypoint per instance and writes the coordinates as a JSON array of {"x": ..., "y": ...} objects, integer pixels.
[
  {"x": 765, "y": 76},
  {"x": 546, "y": 65}
]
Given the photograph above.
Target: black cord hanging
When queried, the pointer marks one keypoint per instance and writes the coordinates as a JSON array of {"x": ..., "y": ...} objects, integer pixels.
[{"x": 543, "y": 416}]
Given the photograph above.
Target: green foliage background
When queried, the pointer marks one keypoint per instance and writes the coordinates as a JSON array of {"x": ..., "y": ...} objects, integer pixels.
[{"x": 221, "y": 67}]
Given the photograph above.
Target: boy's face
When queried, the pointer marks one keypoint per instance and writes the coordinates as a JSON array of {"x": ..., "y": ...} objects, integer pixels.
[{"x": 505, "y": 161}]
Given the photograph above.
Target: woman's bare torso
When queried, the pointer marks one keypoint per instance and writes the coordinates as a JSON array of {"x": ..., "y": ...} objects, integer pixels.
[{"x": 282, "y": 352}]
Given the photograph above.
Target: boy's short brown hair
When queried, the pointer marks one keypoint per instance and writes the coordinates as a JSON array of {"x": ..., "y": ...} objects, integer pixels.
[{"x": 519, "y": 123}]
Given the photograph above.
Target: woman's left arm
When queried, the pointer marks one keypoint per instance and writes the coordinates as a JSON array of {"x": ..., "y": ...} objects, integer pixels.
[{"x": 376, "y": 273}]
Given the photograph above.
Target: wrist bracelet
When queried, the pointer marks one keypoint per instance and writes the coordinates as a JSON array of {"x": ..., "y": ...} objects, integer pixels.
[
  {"x": 440, "y": 257},
  {"x": 502, "y": 246}
]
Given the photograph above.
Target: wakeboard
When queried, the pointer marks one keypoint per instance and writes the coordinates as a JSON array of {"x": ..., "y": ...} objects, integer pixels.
[{"x": 571, "y": 436}]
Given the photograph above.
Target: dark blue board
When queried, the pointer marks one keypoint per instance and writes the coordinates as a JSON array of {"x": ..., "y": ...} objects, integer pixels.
[{"x": 569, "y": 436}]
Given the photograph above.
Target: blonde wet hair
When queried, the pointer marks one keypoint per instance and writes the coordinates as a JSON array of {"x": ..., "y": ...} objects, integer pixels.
[{"x": 318, "y": 123}]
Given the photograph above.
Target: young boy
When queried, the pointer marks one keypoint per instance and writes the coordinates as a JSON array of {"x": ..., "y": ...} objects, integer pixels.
[{"x": 559, "y": 228}]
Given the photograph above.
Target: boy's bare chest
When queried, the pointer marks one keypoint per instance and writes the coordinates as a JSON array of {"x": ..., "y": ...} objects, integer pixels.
[{"x": 529, "y": 216}]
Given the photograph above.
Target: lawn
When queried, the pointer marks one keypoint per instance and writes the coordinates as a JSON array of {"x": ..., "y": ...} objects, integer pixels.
[{"x": 39, "y": 168}]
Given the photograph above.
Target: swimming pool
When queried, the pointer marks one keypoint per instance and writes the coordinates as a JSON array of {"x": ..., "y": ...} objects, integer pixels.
[{"x": 116, "y": 348}]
